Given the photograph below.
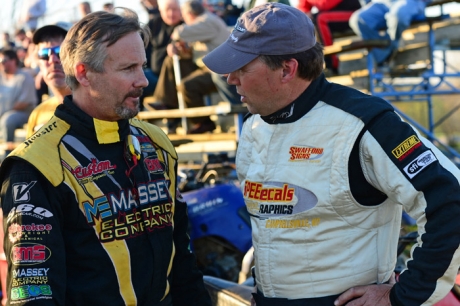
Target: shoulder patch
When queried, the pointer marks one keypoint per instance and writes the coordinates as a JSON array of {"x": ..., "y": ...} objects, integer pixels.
[
  {"x": 406, "y": 147},
  {"x": 419, "y": 163}
]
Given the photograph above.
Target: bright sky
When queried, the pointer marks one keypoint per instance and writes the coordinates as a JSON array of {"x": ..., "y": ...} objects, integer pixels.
[{"x": 58, "y": 10}]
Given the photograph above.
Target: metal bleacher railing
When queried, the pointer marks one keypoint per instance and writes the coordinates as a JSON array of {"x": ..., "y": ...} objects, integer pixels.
[
  {"x": 421, "y": 83},
  {"x": 415, "y": 82}
]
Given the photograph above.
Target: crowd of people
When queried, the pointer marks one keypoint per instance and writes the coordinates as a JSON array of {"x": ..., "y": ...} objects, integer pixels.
[{"x": 188, "y": 32}]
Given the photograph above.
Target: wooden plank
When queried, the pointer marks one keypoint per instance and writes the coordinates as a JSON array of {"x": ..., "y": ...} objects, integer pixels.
[
  {"x": 355, "y": 45},
  {"x": 223, "y": 108},
  {"x": 175, "y": 138}
]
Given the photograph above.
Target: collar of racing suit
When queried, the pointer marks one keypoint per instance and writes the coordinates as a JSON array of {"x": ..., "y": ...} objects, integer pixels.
[
  {"x": 104, "y": 131},
  {"x": 300, "y": 106}
]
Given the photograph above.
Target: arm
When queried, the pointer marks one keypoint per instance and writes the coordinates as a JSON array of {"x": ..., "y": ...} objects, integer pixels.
[
  {"x": 187, "y": 287},
  {"x": 411, "y": 171},
  {"x": 28, "y": 96},
  {"x": 32, "y": 237}
]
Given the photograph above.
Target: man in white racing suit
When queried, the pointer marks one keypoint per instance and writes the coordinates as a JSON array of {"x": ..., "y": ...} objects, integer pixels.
[{"x": 326, "y": 171}]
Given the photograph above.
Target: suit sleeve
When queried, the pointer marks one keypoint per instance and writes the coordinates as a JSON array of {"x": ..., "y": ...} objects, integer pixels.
[
  {"x": 411, "y": 171},
  {"x": 33, "y": 241}
]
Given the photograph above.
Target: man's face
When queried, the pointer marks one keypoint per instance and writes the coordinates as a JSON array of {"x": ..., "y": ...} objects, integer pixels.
[
  {"x": 7, "y": 65},
  {"x": 170, "y": 13},
  {"x": 258, "y": 86},
  {"x": 115, "y": 92},
  {"x": 50, "y": 64}
]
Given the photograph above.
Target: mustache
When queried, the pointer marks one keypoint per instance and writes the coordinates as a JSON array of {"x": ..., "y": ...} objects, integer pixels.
[{"x": 136, "y": 93}]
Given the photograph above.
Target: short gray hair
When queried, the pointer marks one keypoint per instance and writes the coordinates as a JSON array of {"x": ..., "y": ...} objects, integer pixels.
[{"x": 89, "y": 38}]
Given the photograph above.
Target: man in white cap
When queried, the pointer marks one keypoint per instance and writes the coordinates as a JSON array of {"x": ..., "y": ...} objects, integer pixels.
[
  {"x": 48, "y": 40},
  {"x": 326, "y": 171}
]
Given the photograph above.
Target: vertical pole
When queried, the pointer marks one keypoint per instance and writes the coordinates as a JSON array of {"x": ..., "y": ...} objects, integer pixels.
[{"x": 180, "y": 98}]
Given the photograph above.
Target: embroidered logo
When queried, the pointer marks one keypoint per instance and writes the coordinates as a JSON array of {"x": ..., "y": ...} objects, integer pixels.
[
  {"x": 153, "y": 165},
  {"x": 93, "y": 168},
  {"x": 305, "y": 153},
  {"x": 406, "y": 147},
  {"x": 21, "y": 191},
  {"x": 419, "y": 163},
  {"x": 15, "y": 232}
]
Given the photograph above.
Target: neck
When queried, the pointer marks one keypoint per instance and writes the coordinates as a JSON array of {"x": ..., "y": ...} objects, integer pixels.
[
  {"x": 297, "y": 87},
  {"x": 60, "y": 93}
]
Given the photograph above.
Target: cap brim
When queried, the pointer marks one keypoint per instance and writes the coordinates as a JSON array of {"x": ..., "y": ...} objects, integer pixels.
[
  {"x": 225, "y": 59},
  {"x": 36, "y": 38}
]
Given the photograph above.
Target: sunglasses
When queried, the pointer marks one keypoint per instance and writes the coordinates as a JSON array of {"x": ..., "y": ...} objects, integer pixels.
[{"x": 45, "y": 53}]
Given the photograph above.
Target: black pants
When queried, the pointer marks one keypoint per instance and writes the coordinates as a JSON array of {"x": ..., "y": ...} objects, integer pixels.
[{"x": 261, "y": 300}]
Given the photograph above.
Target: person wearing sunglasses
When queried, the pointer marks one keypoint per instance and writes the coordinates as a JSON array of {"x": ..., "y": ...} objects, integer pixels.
[
  {"x": 48, "y": 40},
  {"x": 17, "y": 97},
  {"x": 90, "y": 200}
]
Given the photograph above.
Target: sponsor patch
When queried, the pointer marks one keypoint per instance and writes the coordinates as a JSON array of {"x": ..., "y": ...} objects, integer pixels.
[
  {"x": 29, "y": 210},
  {"x": 279, "y": 223},
  {"x": 91, "y": 172},
  {"x": 29, "y": 293},
  {"x": 419, "y": 163},
  {"x": 305, "y": 153},
  {"x": 27, "y": 231},
  {"x": 18, "y": 273},
  {"x": 153, "y": 165},
  {"x": 21, "y": 191},
  {"x": 406, "y": 147},
  {"x": 271, "y": 199},
  {"x": 29, "y": 254}
]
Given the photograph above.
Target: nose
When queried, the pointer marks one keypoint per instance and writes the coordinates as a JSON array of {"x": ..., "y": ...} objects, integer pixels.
[
  {"x": 232, "y": 79},
  {"x": 53, "y": 58},
  {"x": 141, "y": 80}
]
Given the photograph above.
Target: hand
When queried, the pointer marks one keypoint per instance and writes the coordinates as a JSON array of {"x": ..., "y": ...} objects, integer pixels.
[
  {"x": 253, "y": 302},
  {"x": 171, "y": 50},
  {"x": 371, "y": 295}
]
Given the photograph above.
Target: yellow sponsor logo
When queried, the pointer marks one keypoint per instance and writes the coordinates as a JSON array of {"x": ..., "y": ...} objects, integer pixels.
[
  {"x": 405, "y": 146},
  {"x": 276, "y": 223}
]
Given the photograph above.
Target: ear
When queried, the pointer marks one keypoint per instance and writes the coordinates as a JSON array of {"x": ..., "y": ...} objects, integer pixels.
[
  {"x": 81, "y": 74},
  {"x": 289, "y": 70}
]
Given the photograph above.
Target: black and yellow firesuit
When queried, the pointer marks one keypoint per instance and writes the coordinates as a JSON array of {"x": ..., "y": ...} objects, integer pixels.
[{"x": 87, "y": 222}]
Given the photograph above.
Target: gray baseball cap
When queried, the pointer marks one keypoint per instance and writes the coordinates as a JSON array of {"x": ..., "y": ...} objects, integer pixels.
[
  {"x": 269, "y": 29},
  {"x": 59, "y": 27}
]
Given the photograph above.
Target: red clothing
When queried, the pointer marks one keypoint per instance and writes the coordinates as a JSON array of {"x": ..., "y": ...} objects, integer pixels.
[{"x": 321, "y": 5}]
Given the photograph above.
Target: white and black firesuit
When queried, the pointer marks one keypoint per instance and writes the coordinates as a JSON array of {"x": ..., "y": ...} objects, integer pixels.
[
  {"x": 325, "y": 180},
  {"x": 89, "y": 221}
]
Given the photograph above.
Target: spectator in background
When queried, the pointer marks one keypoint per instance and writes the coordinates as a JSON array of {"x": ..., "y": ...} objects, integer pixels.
[
  {"x": 151, "y": 6},
  {"x": 84, "y": 8},
  {"x": 21, "y": 38},
  {"x": 108, "y": 7},
  {"x": 22, "y": 55},
  {"x": 48, "y": 40},
  {"x": 7, "y": 43},
  {"x": 164, "y": 16},
  {"x": 17, "y": 97},
  {"x": 332, "y": 16},
  {"x": 32, "y": 10},
  {"x": 201, "y": 33},
  {"x": 395, "y": 16},
  {"x": 254, "y": 3}
]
